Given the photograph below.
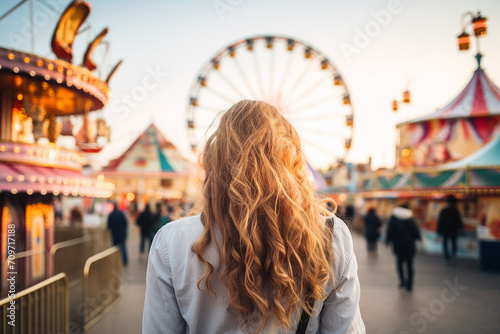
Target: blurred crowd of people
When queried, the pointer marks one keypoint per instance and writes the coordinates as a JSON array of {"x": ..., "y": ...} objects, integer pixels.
[
  {"x": 401, "y": 231},
  {"x": 148, "y": 221}
]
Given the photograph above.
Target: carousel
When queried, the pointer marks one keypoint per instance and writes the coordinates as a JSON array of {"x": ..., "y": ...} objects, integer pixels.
[
  {"x": 37, "y": 97},
  {"x": 452, "y": 151}
]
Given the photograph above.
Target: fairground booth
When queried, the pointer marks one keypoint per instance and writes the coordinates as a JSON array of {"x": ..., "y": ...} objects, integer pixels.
[
  {"x": 452, "y": 151},
  {"x": 37, "y": 96}
]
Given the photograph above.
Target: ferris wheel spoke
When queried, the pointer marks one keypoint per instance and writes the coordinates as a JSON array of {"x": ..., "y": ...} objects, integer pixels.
[
  {"x": 231, "y": 85},
  {"x": 288, "y": 66},
  {"x": 306, "y": 129},
  {"x": 321, "y": 101},
  {"x": 318, "y": 147},
  {"x": 258, "y": 72},
  {"x": 244, "y": 76},
  {"x": 271, "y": 77},
  {"x": 202, "y": 128},
  {"x": 299, "y": 79},
  {"x": 220, "y": 95},
  {"x": 208, "y": 108},
  {"x": 309, "y": 90},
  {"x": 316, "y": 117}
]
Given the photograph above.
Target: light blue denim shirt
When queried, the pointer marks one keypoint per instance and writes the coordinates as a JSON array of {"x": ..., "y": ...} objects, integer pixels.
[{"x": 174, "y": 304}]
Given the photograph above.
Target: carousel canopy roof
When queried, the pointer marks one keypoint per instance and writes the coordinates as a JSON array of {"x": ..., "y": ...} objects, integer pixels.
[
  {"x": 479, "y": 98},
  {"x": 59, "y": 86},
  {"x": 487, "y": 156},
  {"x": 18, "y": 178},
  {"x": 151, "y": 155}
]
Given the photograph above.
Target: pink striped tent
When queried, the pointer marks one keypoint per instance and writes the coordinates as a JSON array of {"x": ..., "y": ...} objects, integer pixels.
[
  {"x": 451, "y": 133},
  {"x": 479, "y": 98}
]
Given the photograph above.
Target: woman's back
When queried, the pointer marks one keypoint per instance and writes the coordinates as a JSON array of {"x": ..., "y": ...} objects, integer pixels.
[
  {"x": 260, "y": 252},
  {"x": 174, "y": 304}
]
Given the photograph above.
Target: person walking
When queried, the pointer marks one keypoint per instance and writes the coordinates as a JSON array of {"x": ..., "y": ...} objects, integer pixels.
[
  {"x": 349, "y": 213},
  {"x": 402, "y": 232},
  {"x": 372, "y": 234},
  {"x": 146, "y": 222},
  {"x": 118, "y": 225},
  {"x": 449, "y": 225},
  {"x": 261, "y": 256},
  {"x": 166, "y": 215}
]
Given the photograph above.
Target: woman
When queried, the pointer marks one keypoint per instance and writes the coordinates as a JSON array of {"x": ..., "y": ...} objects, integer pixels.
[
  {"x": 372, "y": 226},
  {"x": 260, "y": 252}
]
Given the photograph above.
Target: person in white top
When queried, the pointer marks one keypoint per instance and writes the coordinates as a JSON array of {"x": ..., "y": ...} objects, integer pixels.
[{"x": 260, "y": 254}]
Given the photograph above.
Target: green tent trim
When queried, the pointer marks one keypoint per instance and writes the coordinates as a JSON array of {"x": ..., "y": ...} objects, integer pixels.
[{"x": 485, "y": 177}]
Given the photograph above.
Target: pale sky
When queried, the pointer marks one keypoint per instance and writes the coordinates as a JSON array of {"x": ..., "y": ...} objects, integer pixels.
[{"x": 415, "y": 48}]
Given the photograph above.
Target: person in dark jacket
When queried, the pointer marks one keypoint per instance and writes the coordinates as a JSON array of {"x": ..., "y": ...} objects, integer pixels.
[
  {"x": 146, "y": 222},
  {"x": 117, "y": 224},
  {"x": 372, "y": 226},
  {"x": 402, "y": 232},
  {"x": 449, "y": 224},
  {"x": 349, "y": 213}
]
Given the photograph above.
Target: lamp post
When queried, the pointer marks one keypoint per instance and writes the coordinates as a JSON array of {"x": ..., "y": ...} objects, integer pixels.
[{"x": 479, "y": 26}]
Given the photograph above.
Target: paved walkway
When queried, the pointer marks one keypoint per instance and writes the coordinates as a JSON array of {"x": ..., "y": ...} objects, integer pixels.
[
  {"x": 459, "y": 299},
  {"x": 126, "y": 316}
]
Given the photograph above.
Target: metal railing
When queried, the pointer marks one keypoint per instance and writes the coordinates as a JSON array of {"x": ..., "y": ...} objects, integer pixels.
[
  {"x": 100, "y": 235},
  {"x": 101, "y": 285},
  {"x": 42, "y": 308},
  {"x": 22, "y": 281},
  {"x": 65, "y": 233},
  {"x": 69, "y": 256}
]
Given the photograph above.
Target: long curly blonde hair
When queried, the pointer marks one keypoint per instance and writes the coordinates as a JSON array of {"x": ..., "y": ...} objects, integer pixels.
[{"x": 275, "y": 250}]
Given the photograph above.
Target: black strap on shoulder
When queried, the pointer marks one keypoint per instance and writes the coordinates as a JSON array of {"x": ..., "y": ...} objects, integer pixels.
[
  {"x": 304, "y": 320},
  {"x": 304, "y": 317}
]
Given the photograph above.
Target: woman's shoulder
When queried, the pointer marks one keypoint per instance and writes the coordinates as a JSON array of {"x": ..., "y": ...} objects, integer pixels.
[
  {"x": 183, "y": 225},
  {"x": 181, "y": 231},
  {"x": 341, "y": 230},
  {"x": 342, "y": 246}
]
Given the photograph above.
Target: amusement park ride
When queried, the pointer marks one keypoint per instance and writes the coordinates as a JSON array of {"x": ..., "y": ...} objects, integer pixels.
[
  {"x": 297, "y": 78},
  {"x": 37, "y": 97}
]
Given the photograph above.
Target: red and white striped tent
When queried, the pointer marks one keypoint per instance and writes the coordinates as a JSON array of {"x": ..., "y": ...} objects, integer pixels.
[
  {"x": 463, "y": 126},
  {"x": 479, "y": 98}
]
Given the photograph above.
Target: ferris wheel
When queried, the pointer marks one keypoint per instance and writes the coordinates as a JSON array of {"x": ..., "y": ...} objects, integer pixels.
[{"x": 300, "y": 81}]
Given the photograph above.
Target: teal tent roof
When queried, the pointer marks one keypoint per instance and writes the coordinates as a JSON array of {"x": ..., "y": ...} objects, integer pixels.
[{"x": 487, "y": 156}]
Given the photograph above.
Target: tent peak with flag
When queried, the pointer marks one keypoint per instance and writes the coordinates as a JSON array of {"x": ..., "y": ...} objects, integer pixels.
[
  {"x": 151, "y": 154},
  {"x": 481, "y": 97}
]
